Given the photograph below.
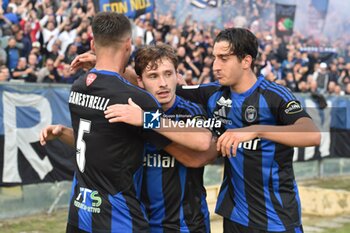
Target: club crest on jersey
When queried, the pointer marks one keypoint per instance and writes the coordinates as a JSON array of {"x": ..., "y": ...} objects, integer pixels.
[
  {"x": 90, "y": 79},
  {"x": 250, "y": 114}
]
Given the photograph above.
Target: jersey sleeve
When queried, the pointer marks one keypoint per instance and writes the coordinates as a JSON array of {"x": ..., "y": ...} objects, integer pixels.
[
  {"x": 290, "y": 110},
  {"x": 197, "y": 93}
]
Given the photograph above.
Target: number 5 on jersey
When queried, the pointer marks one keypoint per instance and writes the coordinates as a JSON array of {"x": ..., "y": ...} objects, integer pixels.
[{"x": 84, "y": 127}]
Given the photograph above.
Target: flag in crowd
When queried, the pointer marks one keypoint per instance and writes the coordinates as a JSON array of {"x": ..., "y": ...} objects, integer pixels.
[
  {"x": 284, "y": 23},
  {"x": 130, "y": 8}
]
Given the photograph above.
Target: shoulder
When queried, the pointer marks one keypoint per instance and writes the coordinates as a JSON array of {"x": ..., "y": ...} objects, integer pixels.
[
  {"x": 209, "y": 87},
  {"x": 190, "y": 107},
  {"x": 275, "y": 92}
]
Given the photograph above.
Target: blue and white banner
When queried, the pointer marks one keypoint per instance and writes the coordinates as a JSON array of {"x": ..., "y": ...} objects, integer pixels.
[
  {"x": 334, "y": 124},
  {"x": 26, "y": 109},
  {"x": 130, "y": 8}
]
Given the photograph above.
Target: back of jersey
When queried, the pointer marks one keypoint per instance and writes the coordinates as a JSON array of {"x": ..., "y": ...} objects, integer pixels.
[{"x": 108, "y": 156}]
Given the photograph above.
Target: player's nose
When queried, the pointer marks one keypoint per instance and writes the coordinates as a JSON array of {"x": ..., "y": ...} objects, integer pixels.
[{"x": 162, "y": 81}]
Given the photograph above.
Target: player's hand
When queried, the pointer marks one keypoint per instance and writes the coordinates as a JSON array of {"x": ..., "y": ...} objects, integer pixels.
[
  {"x": 129, "y": 113},
  {"x": 50, "y": 132},
  {"x": 229, "y": 141},
  {"x": 85, "y": 61}
]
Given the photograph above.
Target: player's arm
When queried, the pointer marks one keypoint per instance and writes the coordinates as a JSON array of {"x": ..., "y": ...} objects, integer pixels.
[
  {"x": 294, "y": 127},
  {"x": 192, "y": 158},
  {"x": 60, "y": 132},
  {"x": 302, "y": 133},
  {"x": 85, "y": 61},
  {"x": 193, "y": 138}
]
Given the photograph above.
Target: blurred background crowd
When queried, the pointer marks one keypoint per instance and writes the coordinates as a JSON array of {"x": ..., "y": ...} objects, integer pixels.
[{"x": 39, "y": 39}]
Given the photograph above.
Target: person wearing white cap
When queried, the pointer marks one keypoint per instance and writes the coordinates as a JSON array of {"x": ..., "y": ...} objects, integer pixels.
[{"x": 321, "y": 76}]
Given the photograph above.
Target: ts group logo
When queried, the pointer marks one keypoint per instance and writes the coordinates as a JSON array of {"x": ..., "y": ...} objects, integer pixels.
[{"x": 151, "y": 120}]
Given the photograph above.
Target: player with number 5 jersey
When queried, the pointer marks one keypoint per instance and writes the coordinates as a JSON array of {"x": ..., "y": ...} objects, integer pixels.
[{"x": 104, "y": 194}]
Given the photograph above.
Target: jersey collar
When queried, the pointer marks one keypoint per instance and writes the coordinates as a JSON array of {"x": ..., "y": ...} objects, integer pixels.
[
  {"x": 169, "y": 111},
  {"x": 107, "y": 72},
  {"x": 250, "y": 90}
]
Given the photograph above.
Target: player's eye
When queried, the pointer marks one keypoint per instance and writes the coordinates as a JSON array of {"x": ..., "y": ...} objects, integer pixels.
[{"x": 223, "y": 58}]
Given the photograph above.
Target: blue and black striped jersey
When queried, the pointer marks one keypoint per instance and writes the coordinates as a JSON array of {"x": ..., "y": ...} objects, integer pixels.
[
  {"x": 259, "y": 189},
  {"x": 174, "y": 195},
  {"x": 109, "y": 156}
]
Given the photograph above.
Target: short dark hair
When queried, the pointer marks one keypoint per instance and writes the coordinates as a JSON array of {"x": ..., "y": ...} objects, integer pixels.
[
  {"x": 242, "y": 42},
  {"x": 109, "y": 28},
  {"x": 151, "y": 55}
]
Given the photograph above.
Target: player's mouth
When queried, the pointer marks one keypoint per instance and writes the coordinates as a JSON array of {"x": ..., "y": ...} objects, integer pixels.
[
  {"x": 218, "y": 76},
  {"x": 163, "y": 93}
]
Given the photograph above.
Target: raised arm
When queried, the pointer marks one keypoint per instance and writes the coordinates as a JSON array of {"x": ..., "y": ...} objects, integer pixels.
[{"x": 60, "y": 132}]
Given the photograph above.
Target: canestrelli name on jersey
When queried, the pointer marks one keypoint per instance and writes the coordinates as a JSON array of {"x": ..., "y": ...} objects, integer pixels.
[{"x": 88, "y": 101}]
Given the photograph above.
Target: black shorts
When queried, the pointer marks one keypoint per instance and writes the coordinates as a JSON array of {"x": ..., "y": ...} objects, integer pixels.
[
  {"x": 73, "y": 229},
  {"x": 233, "y": 227}
]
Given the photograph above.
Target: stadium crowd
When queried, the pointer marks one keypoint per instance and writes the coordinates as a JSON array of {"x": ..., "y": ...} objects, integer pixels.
[{"x": 39, "y": 40}]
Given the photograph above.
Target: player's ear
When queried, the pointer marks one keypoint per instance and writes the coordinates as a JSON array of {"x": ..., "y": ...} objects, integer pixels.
[
  {"x": 139, "y": 82},
  {"x": 92, "y": 45},
  {"x": 247, "y": 61},
  {"x": 128, "y": 44}
]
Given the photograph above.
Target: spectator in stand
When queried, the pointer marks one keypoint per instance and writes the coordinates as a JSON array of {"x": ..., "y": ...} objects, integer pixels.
[
  {"x": 4, "y": 73},
  {"x": 68, "y": 35},
  {"x": 34, "y": 64},
  {"x": 333, "y": 73},
  {"x": 276, "y": 68},
  {"x": 347, "y": 89},
  {"x": 55, "y": 52},
  {"x": 84, "y": 44},
  {"x": 50, "y": 32},
  {"x": 344, "y": 78},
  {"x": 148, "y": 34},
  {"x": 11, "y": 15},
  {"x": 3, "y": 55},
  {"x": 36, "y": 49},
  {"x": 23, "y": 43},
  {"x": 31, "y": 25},
  {"x": 338, "y": 90},
  {"x": 48, "y": 74},
  {"x": 70, "y": 53},
  {"x": 67, "y": 75},
  {"x": 291, "y": 83},
  {"x": 303, "y": 87},
  {"x": 13, "y": 53},
  {"x": 189, "y": 77},
  {"x": 331, "y": 87},
  {"x": 23, "y": 71},
  {"x": 321, "y": 76},
  {"x": 287, "y": 64}
]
